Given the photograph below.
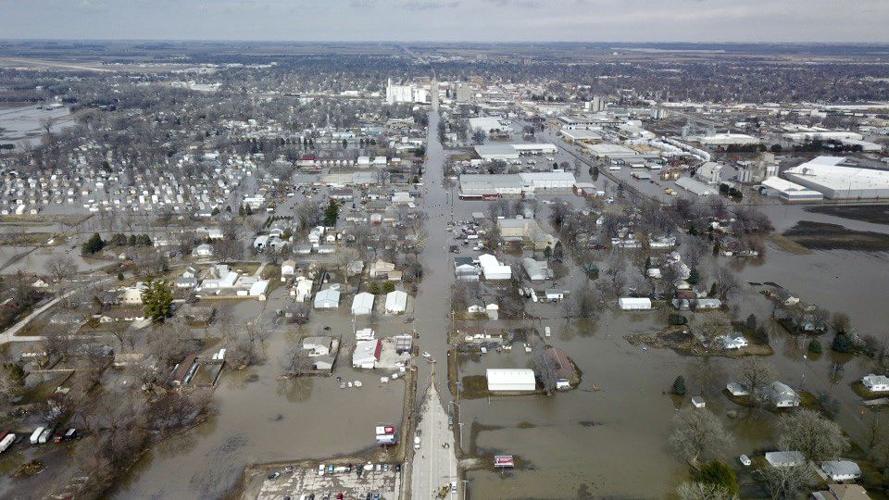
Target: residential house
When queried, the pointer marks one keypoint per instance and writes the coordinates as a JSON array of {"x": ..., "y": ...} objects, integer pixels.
[
  {"x": 875, "y": 383},
  {"x": 781, "y": 395},
  {"x": 363, "y": 304},
  {"x": 329, "y": 298},
  {"x": 841, "y": 470}
]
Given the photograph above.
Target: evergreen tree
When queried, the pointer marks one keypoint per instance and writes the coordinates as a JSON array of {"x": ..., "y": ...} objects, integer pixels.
[
  {"x": 157, "y": 299},
  {"x": 93, "y": 245},
  {"x": 678, "y": 386}
]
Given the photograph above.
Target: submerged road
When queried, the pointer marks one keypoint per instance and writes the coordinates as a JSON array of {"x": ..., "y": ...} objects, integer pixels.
[
  {"x": 432, "y": 306},
  {"x": 434, "y": 465}
]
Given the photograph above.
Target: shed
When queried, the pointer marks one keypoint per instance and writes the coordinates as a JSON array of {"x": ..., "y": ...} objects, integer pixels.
[
  {"x": 635, "y": 303},
  {"x": 785, "y": 458},
  {"x": 511, "y": 380}
]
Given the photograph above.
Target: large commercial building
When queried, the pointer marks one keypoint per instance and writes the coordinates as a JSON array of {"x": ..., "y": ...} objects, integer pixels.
[
  {"x": 695, "y": 187},
  {"x": 728, "y": 140},
  {"x": 502, "y": 151},
  {"x": 511, "y": 380},
  {"x": 790, "y": 191},
  {"x": 497, "y": 185},
  {"x": 839, "y": 179},
  {"x": 405, "y": 94},
  {"x": 488, "y": 124}
]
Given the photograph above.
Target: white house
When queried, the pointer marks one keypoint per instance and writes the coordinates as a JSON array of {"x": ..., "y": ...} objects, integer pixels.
[
  {"x": 841, "y": 470},
  {"x": 736, "y": 389},
  {"x": 288, "y": 268},
  {"x": 875, "y": 383},
  {"x": 366, "y": 354},
  {"x": 302, "y": 289},
  {"x": 396, "y": 302},
  {"x": 132, "y": 295},
  {"x": 363, "y": 304},
  {"x": 203, "y": 250},
  {"x": 329, "y": 298},
  {"x": 730, "y": 343},
  {"x": 781, "y": 395},
  {"x": 634, "y": 303}
]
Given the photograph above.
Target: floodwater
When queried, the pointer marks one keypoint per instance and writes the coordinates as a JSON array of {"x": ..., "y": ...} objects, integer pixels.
[
  {"x": 262, "y": 418},
  {"x": 607, "y": 440},
  {"x": 24, "y": 124}
]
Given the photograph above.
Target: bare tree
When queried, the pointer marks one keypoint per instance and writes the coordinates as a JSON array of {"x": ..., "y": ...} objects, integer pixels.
[
  {"x": 698, "y": 435},
  {"x": 727, "y": 283},
  {"x": 61, "y": 267},
  {"x": 786, "y": 482},
  {"x": 697, "y": 490},
  {"x": 811, "y": 434},
  {"x": 756, "y": 374}
]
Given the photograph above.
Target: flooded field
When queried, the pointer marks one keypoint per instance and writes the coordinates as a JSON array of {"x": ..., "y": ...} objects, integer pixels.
[{"x": 21, "y": 125}]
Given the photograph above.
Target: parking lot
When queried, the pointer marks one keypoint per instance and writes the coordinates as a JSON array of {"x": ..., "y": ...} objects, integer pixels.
[{"x": 376, "y": 481}]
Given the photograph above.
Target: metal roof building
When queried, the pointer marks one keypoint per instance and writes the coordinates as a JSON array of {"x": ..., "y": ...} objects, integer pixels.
[
  {"x": 510, "y": 380},
  {"x": 838, "y": 179},
  {"x": 328, "y": 298},
  {"x": 363, "y": 304},
  {"x": 396, "y": 302},
  {"x": 695, "y": 187},
  {"x": 791, "y": 191}
]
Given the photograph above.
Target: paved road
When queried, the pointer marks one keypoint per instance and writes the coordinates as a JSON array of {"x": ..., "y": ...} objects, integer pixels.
[
  {"x": 9, "y": 334},
  {"x": 435, "y": 463}
]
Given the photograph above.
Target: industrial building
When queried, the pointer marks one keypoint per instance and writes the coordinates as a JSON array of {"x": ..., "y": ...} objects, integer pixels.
[
  {"x": 728, "y": 140},
  {"x": 497, "y": 185},
  {"x": 493, "y": 269},
  {"x": 580, "y": 135},
  {"x": 608, "y": 150},
  {"x": 511, "y": 380},
  {"x": 790, "y": 191},
  {"x": 839, "y": 179},
  {"x": 488, "y": 124},
  {"x": 502, "y": 151},
  {"x": 496, "y": 151},
  {"x": 695, "y": 187}
]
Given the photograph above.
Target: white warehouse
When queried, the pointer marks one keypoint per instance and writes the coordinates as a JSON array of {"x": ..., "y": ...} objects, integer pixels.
[
  {"x": 838, "y": 179},
  {"x": 511, "y": 380}
]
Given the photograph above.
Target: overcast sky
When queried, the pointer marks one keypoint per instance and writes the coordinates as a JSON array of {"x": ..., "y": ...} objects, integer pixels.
[{"x": 451, "y": 20}]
